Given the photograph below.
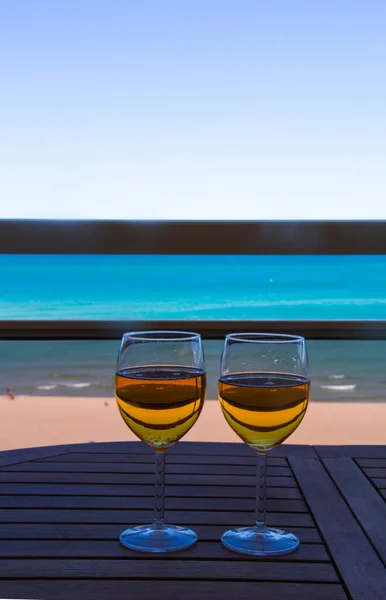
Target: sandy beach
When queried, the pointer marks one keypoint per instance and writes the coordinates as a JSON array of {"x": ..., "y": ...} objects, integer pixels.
[{"x": 30, "y": 421}]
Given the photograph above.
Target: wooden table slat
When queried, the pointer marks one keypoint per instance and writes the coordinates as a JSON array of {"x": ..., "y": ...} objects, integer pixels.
[
  {"x": 375, "y": 472},
  {"x": 116, "y": 466},
  {"x": 372, "y": 462},
  {"x": 380, "y": 483},
  {"x": 173, "y": 459},
  {"x": 137, "y": 517},
  {"x": 362, "y": 570},
  {"x": 366, "y": 504},
  {"x": 187, "y": 504},
  {"x": 192, "y": 448},
  {"x": 187, "y": 481},
  {"x": 144, "y": 491},
  {"x": 201, "y": 470},
  {"x": 12, "y": 457},
  {"x": 94, "y": 589},
  {"x": 357, "y": 452},
  {"x": 160, "y": 568},
  {"x": 148, "y": 478},
  {"x": 98, "y": 531},
  {"x": 113, "y": 549}
]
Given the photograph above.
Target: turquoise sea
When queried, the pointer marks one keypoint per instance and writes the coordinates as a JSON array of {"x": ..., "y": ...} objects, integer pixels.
[
  {"x": 202, "y": 287},
  {"x": 191, "y": 287}
]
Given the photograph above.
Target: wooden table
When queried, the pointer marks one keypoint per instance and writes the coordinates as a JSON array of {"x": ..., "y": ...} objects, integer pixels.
[{"x": 62, "y": 509}]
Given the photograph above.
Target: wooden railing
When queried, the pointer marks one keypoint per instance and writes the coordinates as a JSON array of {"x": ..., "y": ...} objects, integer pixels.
[
  {"x": 192, "y": 237},
  {"x": 110, "y": 330}
]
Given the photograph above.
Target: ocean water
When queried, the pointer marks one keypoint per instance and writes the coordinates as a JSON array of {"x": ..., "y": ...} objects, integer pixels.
[
  {"x": 191, "y": 287},
  {"x": 340, "y": 370}
]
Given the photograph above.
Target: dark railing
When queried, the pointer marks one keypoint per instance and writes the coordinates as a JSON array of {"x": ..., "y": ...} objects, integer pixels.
[
  {"x": 111, "y": 330},
  {"x": 192, "y": 237}
]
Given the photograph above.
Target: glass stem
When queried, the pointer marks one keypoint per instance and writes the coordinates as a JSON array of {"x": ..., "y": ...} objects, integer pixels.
[
  {"x": 159, "y": 491},
  {"x": 261, "y": 482}
]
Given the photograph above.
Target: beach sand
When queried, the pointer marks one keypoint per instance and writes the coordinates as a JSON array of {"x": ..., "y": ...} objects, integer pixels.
[{"x": 30, "y": 421}]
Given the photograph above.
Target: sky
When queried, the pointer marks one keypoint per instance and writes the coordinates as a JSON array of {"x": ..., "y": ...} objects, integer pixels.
[{"x": 193, "y": 109}]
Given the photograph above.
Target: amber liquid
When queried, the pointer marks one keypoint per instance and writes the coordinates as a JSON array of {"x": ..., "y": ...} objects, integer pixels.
[
  {"x": 263, "y": 408},
  {"x": 160, "y": 404}
]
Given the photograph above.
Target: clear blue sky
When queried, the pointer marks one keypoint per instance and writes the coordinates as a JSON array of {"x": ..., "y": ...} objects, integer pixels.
[{"x": 218, "y": 109}]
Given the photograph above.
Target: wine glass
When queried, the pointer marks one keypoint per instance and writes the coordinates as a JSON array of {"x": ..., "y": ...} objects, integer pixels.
[
  {"x": 263, "y": 390},
  {"x": 160, "y": 388}
]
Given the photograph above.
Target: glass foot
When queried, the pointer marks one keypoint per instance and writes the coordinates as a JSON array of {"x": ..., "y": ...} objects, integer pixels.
[
  {"x": 146, "y": 538},
  {"x": 264, "y": 542}
]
